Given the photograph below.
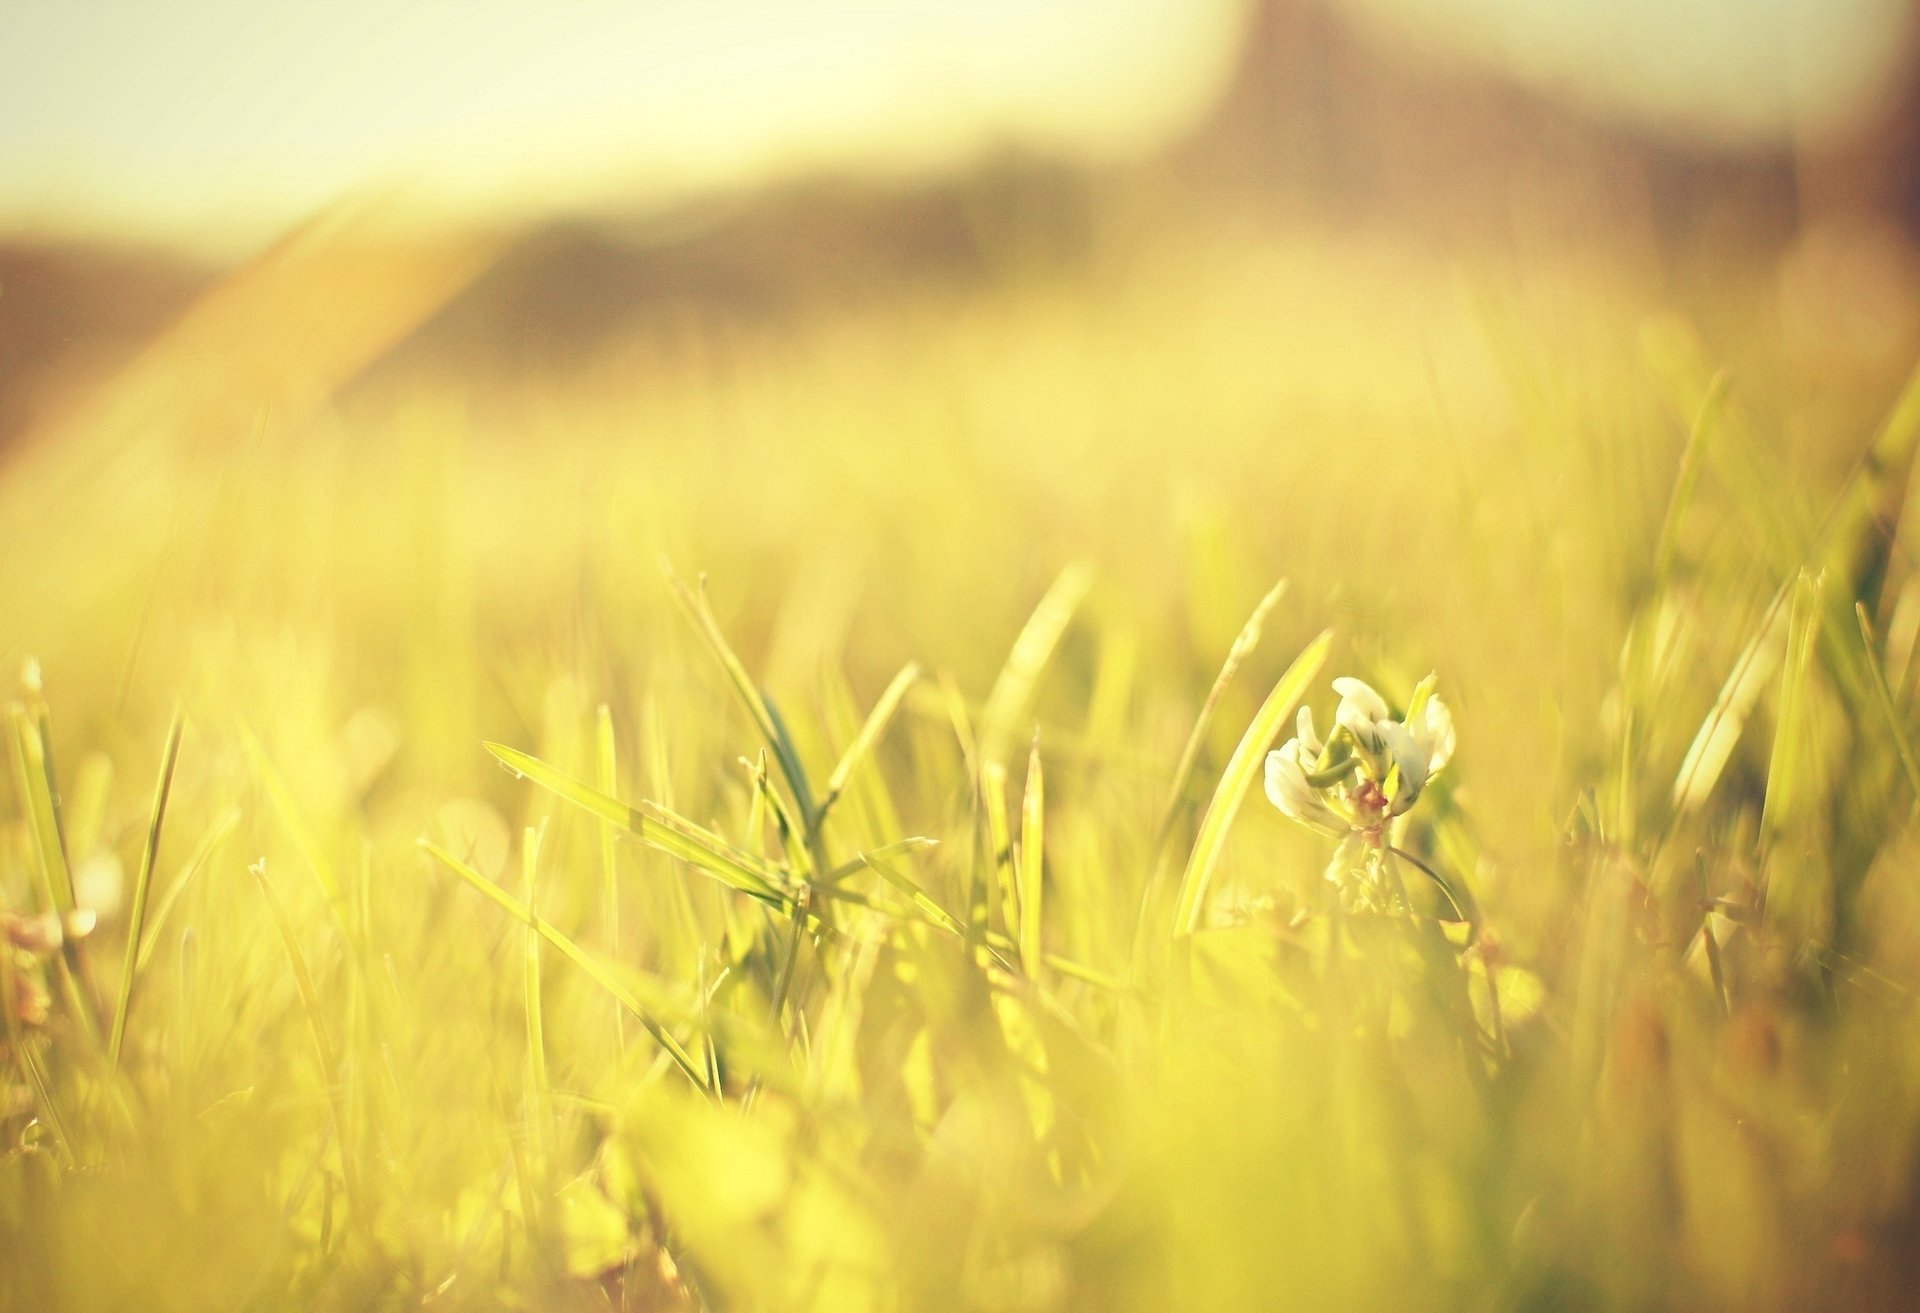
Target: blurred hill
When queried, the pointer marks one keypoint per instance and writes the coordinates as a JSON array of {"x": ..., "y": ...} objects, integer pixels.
[{"x": 1324, "y": 122}]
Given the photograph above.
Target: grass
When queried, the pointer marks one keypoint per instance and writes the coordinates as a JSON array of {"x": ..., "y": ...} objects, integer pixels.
[{"x": 892, "y": 920}]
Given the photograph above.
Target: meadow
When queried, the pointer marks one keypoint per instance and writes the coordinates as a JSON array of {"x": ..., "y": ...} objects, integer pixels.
[{"x": 772, "y": 819}]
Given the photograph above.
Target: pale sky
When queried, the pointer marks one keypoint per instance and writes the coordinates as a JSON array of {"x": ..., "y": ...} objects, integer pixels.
[{"x": 218, "y": 123}]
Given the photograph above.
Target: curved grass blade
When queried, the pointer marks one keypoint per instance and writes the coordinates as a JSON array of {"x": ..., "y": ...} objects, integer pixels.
[
  {"x": 1883, "y": 695},
  {"x": 935, "y": 914},
  {"x": 1243, "y": 645},
  {"x": 142, "y": 888},
  {"x": 1028, "y": 881},
  {"x": 759, "y": 710},
  {"x": 50, "y": 856},
  {"x": 876, "y": 724},
  {"x": 595, "y": 970},
  {"x": 1242, "y": 768},
  {"x": 1714, "y": 742},
  {"x": 885, "y": 850},
  {"x": 661, "y": 829},
  {"x": 1031, "y": 652},
  {"x": 216, "y": 834}
]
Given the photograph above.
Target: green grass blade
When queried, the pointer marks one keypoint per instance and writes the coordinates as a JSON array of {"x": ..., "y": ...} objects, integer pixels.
[
  {"x": 1032, "y": 650},
  {"x": 1032, "y": 852},
  {"x": 758, "y": 709},
  {"x": 30, "y": 773},
  {"x": 607, "y": 777},
  {"x": 595, "y": 970},
  {"x": 1243, "y": 645},
  {"x": 1713, "y": 743},
  {"x": 993, "y": 788},
  {"x": 142, "y": 888},
  {"x": 216, "y": 834},
  {"x": 542, "y": 1087},
  {"x": 876, "y": 724},
  {"x": 1242, "y": 769},
  {"x": 50, "y": 858},
  {"x": 1786, "y": 764},
  {"x": 661, "y": 829},
  {"x": 905, "y": 884},
  {"x": 1902, "y": 742},
  {"x": 897, "y": 848}
]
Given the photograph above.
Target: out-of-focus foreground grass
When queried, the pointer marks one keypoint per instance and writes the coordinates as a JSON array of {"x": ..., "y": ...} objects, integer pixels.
[{"x": 979, "y": 1074}]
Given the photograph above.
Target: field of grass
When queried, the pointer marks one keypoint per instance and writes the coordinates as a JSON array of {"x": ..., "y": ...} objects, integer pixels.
[{"x": 895, "y": 920}]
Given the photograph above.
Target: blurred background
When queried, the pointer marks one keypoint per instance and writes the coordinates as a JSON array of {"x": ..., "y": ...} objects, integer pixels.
[
  {"x": 417, "y": 333},
  {"x": 898, "y": 310},
  {"x": 905, "y": 307},
  {"x": 617, "y": 169}
]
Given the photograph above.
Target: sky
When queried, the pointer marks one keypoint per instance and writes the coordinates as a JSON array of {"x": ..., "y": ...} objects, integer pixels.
[{"x": 217, "y": 124}]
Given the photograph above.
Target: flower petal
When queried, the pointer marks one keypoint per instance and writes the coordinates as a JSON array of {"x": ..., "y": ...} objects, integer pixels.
[
  {"x": 1359, "y": 695},
  {"x": 1310, "y": 744},
  {"x": 1407, "y": 754},
  {"x": 1288, "y": 789},
  {"x": 1433, "y": 730}
]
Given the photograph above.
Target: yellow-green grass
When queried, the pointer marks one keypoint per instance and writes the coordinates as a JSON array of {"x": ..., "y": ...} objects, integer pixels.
[{"x": 682, "y": 1011}]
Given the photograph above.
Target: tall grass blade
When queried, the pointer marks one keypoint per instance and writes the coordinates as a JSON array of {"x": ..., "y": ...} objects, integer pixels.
[
  {"x": 1243, "y": 645},
  {"x": 1713, "y": 743},
  {"x": 935, "y": 914},
  {"x": 542, "y": 1087},
  {"x": 1883, "y": 696},
  {"x": 1032, "y": 650},
  {"x": 1786, "y": 766},
  {"x": 142, "y": 888},
  {"x": 1242, "y": 769},
  {"x": 50, "y": 859},
  {"x": 758, "y": 709},
  {"x": 876, "y": 725},
  {"x": 670, "y": 834},
  {"x": 1032, "y": 849},
  {"x": 216, "y": 834}
]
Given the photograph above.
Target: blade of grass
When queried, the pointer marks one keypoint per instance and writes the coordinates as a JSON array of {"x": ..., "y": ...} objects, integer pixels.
[
  {"x": 900, "y": 880},
  {"x": 142, "y": 888},
  {"x": 595, "y": 971},
  {"x": 216, "y": 834},
  {"x": 1242, "y": 768},
  {"x": 1032, "y": 849},
  {"x": 661, "y": 829},
  {"x": 50, "y": 858},
  {"x": 1243, "y": 645},
  {"x": 993, "y": 789},
  {"x": 1903, "y": 744},
  {"x": 1027, "y": 660},
  {"x": 885, "y": 850},
  {"x": 1786, "y": 765},
  {"x": 876, "y": 724},
  {"x": 607, "y": 776},
  {"x": 755, "y": 702},
  {"x": 542, "y": 1087},
  {"x": 1714, "y": 741},
  {"x": 43, "y": 723}
]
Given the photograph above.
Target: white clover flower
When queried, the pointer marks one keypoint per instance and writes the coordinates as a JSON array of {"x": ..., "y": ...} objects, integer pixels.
[
  {"x": 1371, "y": 768},
  {"x": 1290, "y": 791}
]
